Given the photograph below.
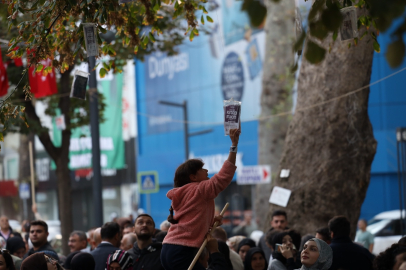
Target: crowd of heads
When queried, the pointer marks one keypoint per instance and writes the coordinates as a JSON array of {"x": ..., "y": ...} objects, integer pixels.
[{"x": 280, "y": 243}]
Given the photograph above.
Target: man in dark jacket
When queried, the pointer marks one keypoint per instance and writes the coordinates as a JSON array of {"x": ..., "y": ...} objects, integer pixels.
[
  {"x": 346, "y": 254},
  {"x": 38, "y": 235},
  {"x": 146, "y": 254},
  {"x": 111, "y": 237}
]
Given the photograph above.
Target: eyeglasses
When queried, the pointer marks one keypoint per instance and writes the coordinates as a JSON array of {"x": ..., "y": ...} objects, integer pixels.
[{"x": 4, "y": 251}]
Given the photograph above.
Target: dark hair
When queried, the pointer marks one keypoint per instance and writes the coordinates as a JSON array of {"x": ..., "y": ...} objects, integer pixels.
[
  {"x": 68, "y": 260},
  {"x": 277, "y": 239},
  {"x": 109, "y": 230},
  {"x": 340, "y": 226},
  {"x": 159, "y": 237},
  {"x": 8, "y": 259},
  {"x": 181, "y": 178},
  {"x": 246, "y": 242},
  {"x": 145, "y": 215},
  {"x": 219, "y": 233},
  {"x": 84, "y": 260},
  {"x": 296, "y": 237},
  {"x": 386, "y": 260},
  {"x": 82, "y": 235},
  {"x": 279, "y": 213},
  {"x": 402, "y": 241},
  {"x": 15, "y": 243},
  {"x": 250, "y": 254},
  {"x": 183, "y": 172},
  {"x": 39, "y": 223},
  {"x": 325, "y": 233},
  {"x": 305, "y": 238},
  {"x": 270, "y": 235}
]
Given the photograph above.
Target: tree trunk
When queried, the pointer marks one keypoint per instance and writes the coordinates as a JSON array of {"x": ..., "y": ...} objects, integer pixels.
[
  {"x": 62, "y": 170},
  {"x": 329, "y": 148},
  {"x": 60, "y": 156},
  {"x": 276, "y": 95}
]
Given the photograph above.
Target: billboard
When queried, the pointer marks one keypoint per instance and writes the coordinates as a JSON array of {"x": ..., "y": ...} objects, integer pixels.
[{"x": 111, "y": 138}]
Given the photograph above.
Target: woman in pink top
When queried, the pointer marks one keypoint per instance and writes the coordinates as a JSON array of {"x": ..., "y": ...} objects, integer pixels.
[{"x": 193, "y": 201}]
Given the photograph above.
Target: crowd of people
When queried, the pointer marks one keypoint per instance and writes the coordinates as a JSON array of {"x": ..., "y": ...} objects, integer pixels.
[{"x": 127, "y": 244}]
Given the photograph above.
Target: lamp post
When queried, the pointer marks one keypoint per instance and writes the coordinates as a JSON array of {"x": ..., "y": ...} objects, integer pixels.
[
  {"x": 185, "y": 124},
  {"x": 94, "y": 126}
]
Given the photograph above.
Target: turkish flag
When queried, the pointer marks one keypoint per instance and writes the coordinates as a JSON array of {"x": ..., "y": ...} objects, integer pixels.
[
  {"x": 42, "y": 86},
  {"x": 3, "y": 78}
]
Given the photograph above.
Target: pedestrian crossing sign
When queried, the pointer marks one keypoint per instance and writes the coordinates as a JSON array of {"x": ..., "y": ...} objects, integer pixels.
[{"x": 148, "y": 182}]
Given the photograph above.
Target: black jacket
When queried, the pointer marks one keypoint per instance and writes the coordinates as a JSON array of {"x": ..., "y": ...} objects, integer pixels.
[
  {"x": 101, "y": 253},
  {"x": 148, "y": 258},
  {"x": 350, "y": 256},
  {"x": 45, "y": 247}
]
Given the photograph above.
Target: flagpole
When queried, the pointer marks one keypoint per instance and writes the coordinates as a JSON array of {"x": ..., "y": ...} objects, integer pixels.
[{"x": 94, "y": 126}]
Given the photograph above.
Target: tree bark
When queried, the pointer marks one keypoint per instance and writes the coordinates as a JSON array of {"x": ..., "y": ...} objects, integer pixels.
[
  {"x": 24, "y": 174},
  {"x": 329, "y": 148},
  {"x": 60, "y": 156},
  {"x": 276, "y": 95}
]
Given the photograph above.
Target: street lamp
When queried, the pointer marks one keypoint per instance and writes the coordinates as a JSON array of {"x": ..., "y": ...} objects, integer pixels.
[{"x": 185, "y": 124}]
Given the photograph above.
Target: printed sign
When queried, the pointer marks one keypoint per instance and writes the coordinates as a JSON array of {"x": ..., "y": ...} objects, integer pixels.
[
  {"x": 251, "y": 175},
  {"x": 232, "y": 111},
  {"x": 79, "y": 85},
  {"x": 60, "y": 122},
  {"x": 92, "y": 47},
  {"x": 24, "y": 191},
  {"x": 348, "y": 29},
  {"x": 148, "y": 182},
  {"x": 280, "y": 196}
]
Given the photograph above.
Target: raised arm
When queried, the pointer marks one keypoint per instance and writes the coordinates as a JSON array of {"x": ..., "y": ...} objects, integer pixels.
[{"x": 234, "y": 136}]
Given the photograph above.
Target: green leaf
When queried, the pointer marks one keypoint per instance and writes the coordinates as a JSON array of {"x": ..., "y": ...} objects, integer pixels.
[
  {"x": 318, "y": 30},
  {"x": 316, "y": 7},
  {"x": 332, "y": 18},
  {"x": 39, "y": 68},
  {"x": 377, "y": 47},
  {"x": 102, "y": 72},
  {"x": 314, "y": 53},
  {"x": 106, "y": 66},
  {"x": 1, "y": 137},
  {"x": 151, "y": 37},
  {"x": 395, "y": 53},
  {"x": 209, "y": 19},
  {"x": 191, "y": 36},
  {"x": 202, "y": 20},
  {"x": 135, "y": 49},
  {"x": 156, "y": 7}
]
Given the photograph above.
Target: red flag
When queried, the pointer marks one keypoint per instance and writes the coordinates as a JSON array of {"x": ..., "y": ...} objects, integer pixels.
[
  {"x": 42, "y": 86},
  {"x": 3, "y": 78},
  {"x": 18, "y": 62}
]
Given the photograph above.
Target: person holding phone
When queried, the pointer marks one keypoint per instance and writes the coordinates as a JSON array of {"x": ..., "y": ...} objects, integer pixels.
[{"x": 285, "y": 255}]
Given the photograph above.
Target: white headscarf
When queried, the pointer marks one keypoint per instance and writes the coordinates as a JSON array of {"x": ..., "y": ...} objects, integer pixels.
[{"x": 325, "y": 256}]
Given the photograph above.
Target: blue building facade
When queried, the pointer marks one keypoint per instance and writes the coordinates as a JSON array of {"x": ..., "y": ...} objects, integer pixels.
[{"x": 228, "y": 63}]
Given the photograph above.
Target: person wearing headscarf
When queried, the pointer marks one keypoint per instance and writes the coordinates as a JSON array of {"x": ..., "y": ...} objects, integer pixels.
[
  {"x": 316, "y": 255},
  {"x": 16, "y": 246},
  {"x": 83, "y": 261},
  {"x": 285, "y": 255},
  {"x": 119, "y": 259},
  {"x": 39, "y": 261},
  {"x": 255, "y": 259},
  {"x": 244, "y": 245}
]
